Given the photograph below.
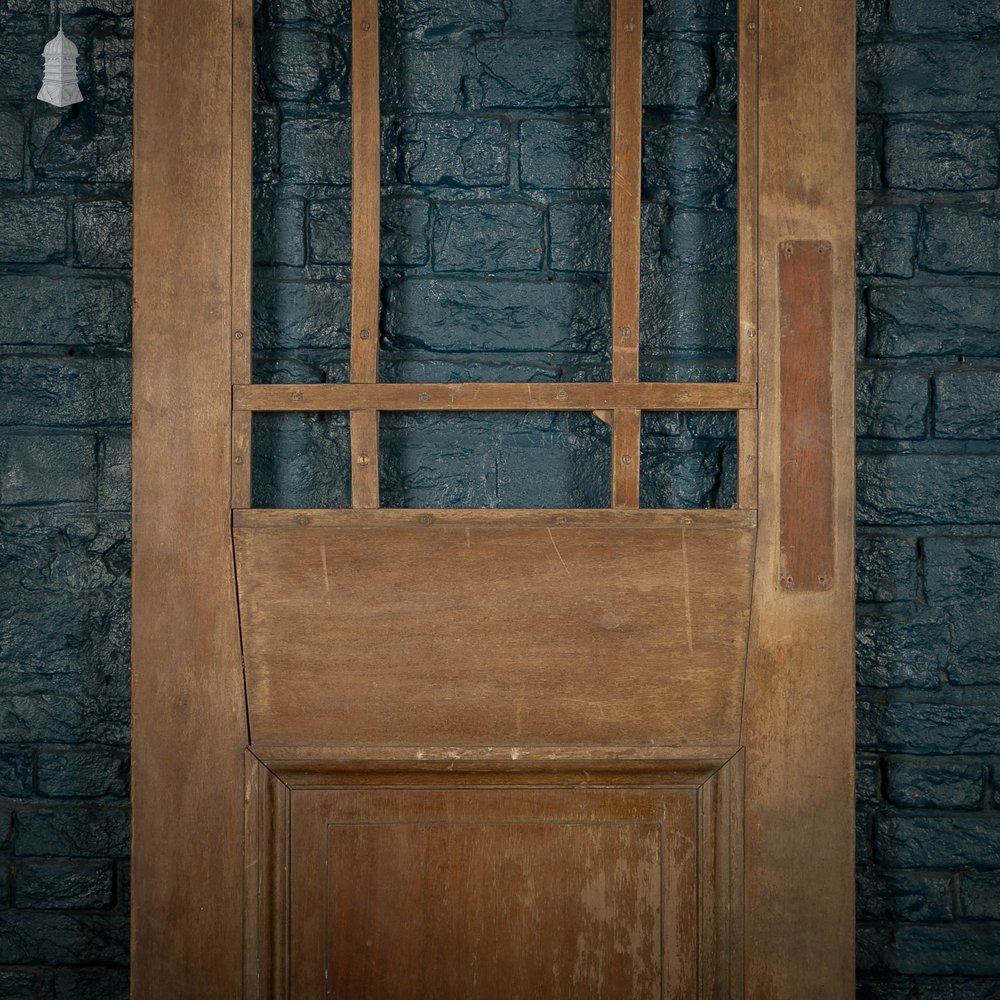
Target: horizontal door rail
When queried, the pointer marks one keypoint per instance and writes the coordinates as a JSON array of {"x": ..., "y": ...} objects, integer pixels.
[{"x": 497, "y": 396}]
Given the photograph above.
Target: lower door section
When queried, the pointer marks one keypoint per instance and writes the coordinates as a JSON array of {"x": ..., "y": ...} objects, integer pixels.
[{"x": 515, "y": 881}]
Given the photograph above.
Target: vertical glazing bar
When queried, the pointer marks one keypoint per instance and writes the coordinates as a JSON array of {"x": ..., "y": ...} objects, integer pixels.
[
  {"x": 626, "y": 193},
  {"x": 748, "y": 159},
  {"x": 242, "y": 263},
  {"x": 365, "y": 232}
]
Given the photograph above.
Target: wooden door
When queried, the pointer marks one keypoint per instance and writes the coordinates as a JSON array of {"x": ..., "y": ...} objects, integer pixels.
[{"x": 493, "y": 754}]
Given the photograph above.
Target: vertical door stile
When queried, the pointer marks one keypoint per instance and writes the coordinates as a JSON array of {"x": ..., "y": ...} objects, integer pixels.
[
  {"x": 242, "y": 240},
  {"x": 626, "y": 193},
  {"x": 365, "y": 243}
]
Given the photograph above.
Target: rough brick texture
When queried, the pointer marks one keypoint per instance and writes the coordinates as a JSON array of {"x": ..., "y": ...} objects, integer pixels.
[{"x": 495, "y": 267}]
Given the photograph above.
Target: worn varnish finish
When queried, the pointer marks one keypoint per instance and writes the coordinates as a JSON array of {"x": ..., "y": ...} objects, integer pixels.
[
  {"x": 620, "y": 738},
  {"x": 188, "y": 714},
  {"x": 534, "y": 635}
]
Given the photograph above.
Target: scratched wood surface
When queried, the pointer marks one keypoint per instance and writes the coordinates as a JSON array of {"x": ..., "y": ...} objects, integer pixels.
[
  {"x": 494, "y": 635},
  {"x": 188, "y": 713}
]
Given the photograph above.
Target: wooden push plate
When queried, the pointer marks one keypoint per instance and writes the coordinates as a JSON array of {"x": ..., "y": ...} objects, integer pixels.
[{"x": 805, "y": 282}]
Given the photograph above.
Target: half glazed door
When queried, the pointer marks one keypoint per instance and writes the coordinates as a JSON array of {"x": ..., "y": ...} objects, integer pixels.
[{"x": 479, "y": 753}]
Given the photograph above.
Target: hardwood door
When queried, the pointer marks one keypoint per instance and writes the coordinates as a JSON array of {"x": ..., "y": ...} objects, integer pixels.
[{"x": 493, "y": 754}]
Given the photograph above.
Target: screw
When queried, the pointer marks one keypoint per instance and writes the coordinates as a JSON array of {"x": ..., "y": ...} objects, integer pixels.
[
  {"x": 630, "y": 25},
  {"x": 424, "y": 397},
  {"x": 626, "y": 459},
  {"x": 301, "y": 519},
  {"x": 751, "y": 25},
  {"x": 364, "y": 335},
  {"x": 296, "y": 396},
  {"x": 238, "y": 459},
  {"x": 239, "y": 335},
  {"x": 751, "y": 332},
  {"x": 426, "y": 519},
  {"x": 561, "y": 395},
  {"x": 365, "y": 26},
  {"x": 364, "y": 459},
  {"x": 626, "y": 331}
]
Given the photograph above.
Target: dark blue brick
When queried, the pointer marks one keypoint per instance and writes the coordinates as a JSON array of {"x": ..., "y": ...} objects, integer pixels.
[
  {"x": 928, "y": 489},
  {"x": 279, "y": 235},
  {"x": 62, "y": 939},
  {"x": 455, "y": 152},
  {"x": 940, "y": 988},
  {"x": 406, "y": 232},
  {"x": 91, "y": 984},
  {"x": 21, "y": 45},
  {"x": 899, "y": 896},
  {"x": 938, "y": 783},
  {"x": 94, "y": 148},
  {"x": 11, "y": 147},
  {"x": 908, "y": 653},
  {"x": 691, "y": 15},
  {"x": 869, "y": 164},
  {"x": 316, "y": 151},
  {"x": 566, "y": 155},
  {"x": 886, "y": 568},
  {"x": 80, "y": 832},
  {"x": 75, "y": 885},
  {"x": 487, "y": 237},
  {"x": 102, "y": 232},
  {"x": 20, "y": 985},
  {"x": 891, "y": 404},
  {"x": 968, "y": 950},
  {"x": 61, "y": 718},
  {"x": 676, "y": 74},
  {"x": 82, "y": 774},
  {"x": 927, "y": 76},
  {"x": 570, "y": 16},
  {"x": 961, "y": 241},
  {"x": 110, "y": 65},
  {"x": 687, "y": 313},
  {"x": 941, "y": 156},
  {"x": 304, "y": 66},
  {"x": 297, "y": 314},
  {"x": 691, "y": 164},
  {"x": 939, "y": 842},
  {"x": 967, "y": 405},
  {"x": 447, "y": 17},
  {"x": 37, "y": 470},
  {"x": 940, "y": 16},
  {"x": 979, "y": 896},
  {"x": 887, "y": 241},
  {"x": 938, "y": 321},
  {"x": 871, "y": 15},
  {"x": 432, "y": 77},
  {"x": 702, "y": 240},
  {"x": 903, "y": 727},
  {"x": 15, "y": 773},
  {"x": 32, "y": 230},
  {"x": 320, "y": 11},
  {"x": 114, "y": 473}
]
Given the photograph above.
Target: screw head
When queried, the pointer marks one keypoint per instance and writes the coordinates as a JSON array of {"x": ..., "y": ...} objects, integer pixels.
[
  {"x": 364, "y": 334},
  {"x": 626, "y": 459},
  {"x": 296, "y": 396},
  {"x": 239, "y": 335},
  {"x": 364, "y": 459},
  {"x": 238, "y": 460}
]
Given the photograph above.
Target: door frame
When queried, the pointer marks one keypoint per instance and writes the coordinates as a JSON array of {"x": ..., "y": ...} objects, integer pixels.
[{"x": 192, "y": 306}]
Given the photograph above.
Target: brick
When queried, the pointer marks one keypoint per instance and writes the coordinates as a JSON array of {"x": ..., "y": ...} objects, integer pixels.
[
  {"x": 20, "y": 985},
  {"x": 16, "y": 768},
  {"x": 887, "y": 242},
  {"x": 940, "y": 16},
  {"x": 676, "y": 74},
  {"x": 928, "y": 489},
  {"x": 960, "y": 576},
  {"x": 102, "y": 232},
  {"x": 64, "y": 311},
  {"x": 32, "y": 231},
  {"x": 316, "y": 151},
  {"x": 76, "y": 885},
  {"x": 979, "y": 896},
  {"x": 967, "y": 405},
  {"x": 80, "y": 832},
  {"x": 909, "y": 653},
  {"x": 886, "y": 568},
  {"x": 566, "y": 155},
  {"x": 682, "y": 312},
  {"x": 691, "y": 164},
  {"x": 6, "y": 828},
  {"x": 540, "y": 72},
  {"x": 957, "y": 989},
  {"x": 114, "y": 473},
  {"x": 702, "y": 240},
  {"x": 110, "y": 69},
  {"x": 447, "y": 17},
  {"x": 891, "y": 404},
  {"x": 64, "y": 392},
  {"x": 961, "y": 241},
  {"x": 63, "y": 939},
  {"x": 91, "y": 984},
  {"x": 868, "y": 781},
  {"x": 871, "y": 16},
  {"x": 94, "y": 148},
  {"x": 939, "y": 156},
  {"x": 940, "y": 842},
  {"x": 82, "y": 774},
  {"x": 927, "y": 76},
  {"x": 903, "y": 727},
  {"x": 454, "y": 152},
  {"x": 433, "y": 77},
  {"x": 487, "y": 237},
  {"x": 406, "y": 232},
  {"x": 670, "y": 477},
  {"x": 899, "y": 896},
  {"x": 936, "y": 783},
  {"x": 967, "y": 950},
  {"x": 11, "y": 147},
  {"x": 692, "y": 15},
  {"x": 279, "y": 232},
  {"x": 297, "y": 314},
  {"x": 73, "y": 718},
  {"x": 580, "y": 236},
  {"x": 20, "y": 61},
  {"x": 320, "y": 11},
  {"x": 869, "y": 153},
  {"x": 40, "y": 469},
  {"x": 585, "y": 16},
  {"x": 937, "y": 321},
  {"x": 528, "y": 316},
  {"x": 302, "y": 66}
]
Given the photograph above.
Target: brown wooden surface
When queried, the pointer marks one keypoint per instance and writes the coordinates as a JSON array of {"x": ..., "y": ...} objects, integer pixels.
[
  {"x": 366, "y": 221},
  {"x": 494, "y": 635},
  {"x": 625, "y": 440},
  {"x": 805, "y": 292},
  {"x": 583, "y": 518},
  {"x": 498, "y": 396},
  {"x": 799, "y": 716},
  {"x": 188, "y": 712}
]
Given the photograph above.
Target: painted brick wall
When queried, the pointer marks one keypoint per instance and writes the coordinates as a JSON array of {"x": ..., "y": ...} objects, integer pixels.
[{"x": 493, "y": 136}]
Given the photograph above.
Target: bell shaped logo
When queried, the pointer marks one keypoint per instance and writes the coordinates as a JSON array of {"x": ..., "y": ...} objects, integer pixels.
[{"x": 59, "y": 85}]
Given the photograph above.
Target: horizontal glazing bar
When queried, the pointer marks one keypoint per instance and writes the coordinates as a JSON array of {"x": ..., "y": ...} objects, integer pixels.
[{"x": 498, "y": 396}]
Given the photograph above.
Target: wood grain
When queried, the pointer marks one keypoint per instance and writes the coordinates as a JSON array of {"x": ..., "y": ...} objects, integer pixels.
[
  {"x": 799, "y": 716},
  {"x": 366, "y": 220},
  {"x": 494, "y": 635},
  {"x": 498, "y": 396},
  {"x": 625, "y": 442},
  {"x": 188, "y": 710}
]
